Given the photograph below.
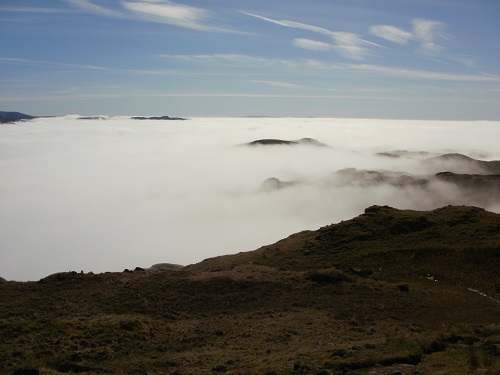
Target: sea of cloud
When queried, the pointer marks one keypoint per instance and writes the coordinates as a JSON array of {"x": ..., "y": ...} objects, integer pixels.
[{"x": 108, "y": 194}]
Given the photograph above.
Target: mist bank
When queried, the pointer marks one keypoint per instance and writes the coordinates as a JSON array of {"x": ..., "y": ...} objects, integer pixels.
[{"x": 108, "y": 194}]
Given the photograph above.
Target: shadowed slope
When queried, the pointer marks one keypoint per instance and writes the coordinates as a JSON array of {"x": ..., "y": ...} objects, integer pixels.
[
  {"x": 389, "y": 291},
  {"x": 393, "y": 243}
]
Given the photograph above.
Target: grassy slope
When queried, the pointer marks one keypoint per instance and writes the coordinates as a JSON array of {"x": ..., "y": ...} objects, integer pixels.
[{"x": 360, "y": 296}]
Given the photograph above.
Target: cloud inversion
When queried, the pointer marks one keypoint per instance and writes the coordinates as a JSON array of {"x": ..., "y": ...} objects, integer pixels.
[{"x": 104, "y": 195}]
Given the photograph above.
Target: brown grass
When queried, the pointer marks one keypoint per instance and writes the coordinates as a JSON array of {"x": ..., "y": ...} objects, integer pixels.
[{"x": 386, "y": 291}]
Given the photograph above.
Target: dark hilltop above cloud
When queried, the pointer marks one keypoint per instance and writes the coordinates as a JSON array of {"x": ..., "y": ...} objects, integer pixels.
[
  {"x": 459, "y": 163},
  {"x": 157, "y": 118},
  {"x": 282, "y": 142},
  {"x": 133, "y": 118},
  {"x": 390, "y": 291},
  {"x": 9, "y": 117},
  {"x": 466, "y": 180}
]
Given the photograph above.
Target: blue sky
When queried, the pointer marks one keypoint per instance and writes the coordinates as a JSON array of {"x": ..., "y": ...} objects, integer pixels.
[{"x": 415, "y": 59}]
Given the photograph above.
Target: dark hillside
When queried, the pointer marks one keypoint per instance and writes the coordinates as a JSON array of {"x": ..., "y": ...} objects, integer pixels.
[
  {"x": 393, "y": 243},
  {"x": 391, "y": 291},
  {"x": 14, "y": 116}
]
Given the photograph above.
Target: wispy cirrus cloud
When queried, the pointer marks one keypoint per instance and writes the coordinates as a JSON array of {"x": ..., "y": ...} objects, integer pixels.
[
  {"x": 313, "y": 45},
  {"x": 426, "y": 74},
  {"x": 171, "y": 13},
  {"x": 14, "y": 60},
  {"x": 33, "y": 10},
  {"x": 320, "y": 65},
  {"x": 90, "y": 7},
  {"x": 348, "y": 45},
  {"x": 278, "y": 84},
  {"x": 163, "y": 11},
  {"x": 293, "y": 24},
  {"x": 54, "y": 65},
  {"x": 426, "y": 32},
  {"x": 230, "y": 58},
  {"x": 345, "y": 46},
  {"x": 391, "y": 33},
  {"x": 469, "y": 61},
  {"x": 429, "y": 37},
  {"x": 256, "y": 61}
]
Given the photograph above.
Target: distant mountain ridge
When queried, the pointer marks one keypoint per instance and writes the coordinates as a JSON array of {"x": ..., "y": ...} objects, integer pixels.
[
  {"x": 9, "y": 117},
  {"x": 283, "y": 142},
  {"x": 14, "y": 116}
]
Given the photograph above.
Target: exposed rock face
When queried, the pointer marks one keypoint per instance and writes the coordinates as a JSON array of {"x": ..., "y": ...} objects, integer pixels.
[{"x": 166, "y": 266}]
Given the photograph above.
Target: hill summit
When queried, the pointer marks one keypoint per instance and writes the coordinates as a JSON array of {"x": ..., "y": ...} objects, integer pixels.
[{"x": 390, "y": 291}]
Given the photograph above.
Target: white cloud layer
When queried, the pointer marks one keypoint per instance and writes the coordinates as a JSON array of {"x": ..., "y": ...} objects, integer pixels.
[{"x": 104, "y": 195}]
